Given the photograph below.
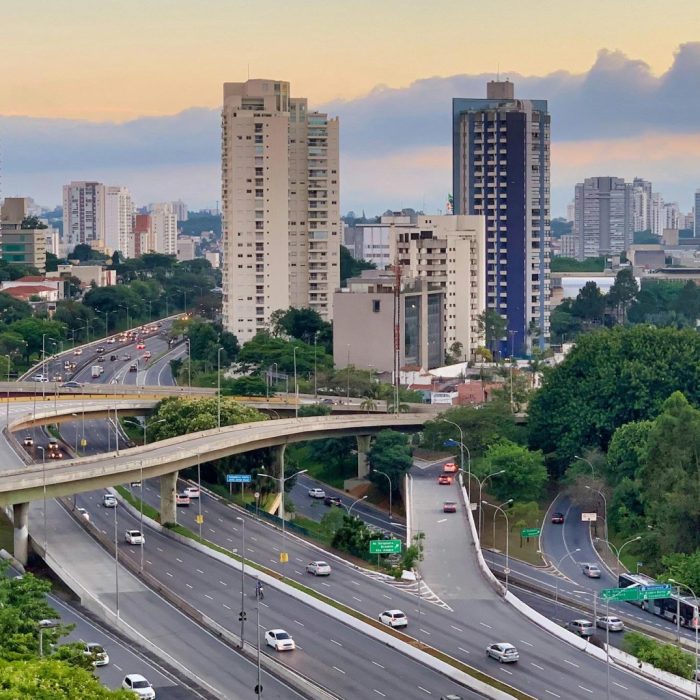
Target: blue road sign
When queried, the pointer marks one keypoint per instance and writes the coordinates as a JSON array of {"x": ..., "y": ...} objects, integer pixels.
[
  {"x": 239, "y": 478},
  {"x": 657, "y": 587}
]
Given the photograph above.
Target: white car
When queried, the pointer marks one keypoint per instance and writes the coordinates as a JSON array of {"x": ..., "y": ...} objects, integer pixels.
[
  {"x": 83, "y": 513},
  {"x": 191, "y": 491},
  {"x": 78, "y": 351},
  {"x": 134, "y": 537},
  {"x": 610, "y": 622},
  {"x": 109, "y": 500},
  {"x": 591, "y": 570},
  {"x": 279, "y": 640},
  {"x": 99, "y": 656},
  {"x": 139, "y": 686},
  {"x": 504, "y": 652},
  {"x": 317, "y": 493},
  {"x": 40, "y": 378},
  {"x": 318, "y": 568},
  {"x": 394, "y": 618}
]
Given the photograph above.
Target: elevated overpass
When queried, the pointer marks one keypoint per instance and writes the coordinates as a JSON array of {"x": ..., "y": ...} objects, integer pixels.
[{"x": 22, "y": 484}]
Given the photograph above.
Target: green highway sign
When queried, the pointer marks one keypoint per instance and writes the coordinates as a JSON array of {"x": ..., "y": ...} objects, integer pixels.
[
  {"x": 385, "y": 546},
  {"x": 636, "y": 593},
  {"x": 530, "y": 532}
]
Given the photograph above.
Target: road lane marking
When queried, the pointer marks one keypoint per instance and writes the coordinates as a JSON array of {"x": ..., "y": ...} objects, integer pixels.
[
  {"x": 208, "y": 596},
  {"x": 226, "y": 606},
  {"x": 456, "y": 628},
  {"x": 522, "y": 641},
  {"x": 466, "y": 651},
  {"x": 301, "y": 624},
  {"x": 340, "y": 670},
  {"x": 327, "y": 585},
  {"x": 199, "y": 571},
  {"x": 619, "y": 685},
  {"x": 188, "y": 585},
  {"x": 510, "y": 673},
  {"x": 551, "y": 693},
  {"x": 532, "y": 663},
  {"x": 571, "y": 663},
  {"x": 420, "y": 687},
  {"x": 376, "y": 663},
  {"x": 223, "y": 583},
  {"x": 178, "y": 560},
  {"x": 483, "y": 624},
  {"x": 388, "y": 597},
  {"x": 338, "y": 643},
  {"x": 443, "y": 520},
  {"x": 359, "y": 600},
  {"x": 167, "y": 573},
  {"x": 588, "y": 690},
  {"x": 379, "y": 692}
]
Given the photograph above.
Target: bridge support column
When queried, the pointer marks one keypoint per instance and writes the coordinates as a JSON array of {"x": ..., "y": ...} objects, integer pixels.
[
  {"x": 277, "y": 467},
  {"x": 168, "y": 488},
  {"x": 20, "y": 515},
  {"x": 363, "y": 445}
]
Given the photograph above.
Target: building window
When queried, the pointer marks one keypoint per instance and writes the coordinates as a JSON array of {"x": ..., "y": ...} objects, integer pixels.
[{"x": 376, "y": 305}]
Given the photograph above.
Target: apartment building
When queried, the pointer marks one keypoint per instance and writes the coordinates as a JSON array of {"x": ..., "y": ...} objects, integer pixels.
[
  {"x": 501, "y": 170},
  {"x": 83, "y": 214},
  {"x": 118, "y": 214},
  {"x": 164, "y": 228},
  {"x": 371, "y": 242},
  {"x": 280, "y": 205},
  {"x": 20, "y": 242}
]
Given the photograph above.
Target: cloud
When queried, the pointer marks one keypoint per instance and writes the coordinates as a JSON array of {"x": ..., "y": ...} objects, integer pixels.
[{"x": 395, "y": 142}]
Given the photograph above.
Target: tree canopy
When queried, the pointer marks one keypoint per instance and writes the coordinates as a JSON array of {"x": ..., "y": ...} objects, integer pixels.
[
  {"x": 524, "y": 477},
  {"x": 350, "y": 267},
  {"x": 390, "y": 453}
]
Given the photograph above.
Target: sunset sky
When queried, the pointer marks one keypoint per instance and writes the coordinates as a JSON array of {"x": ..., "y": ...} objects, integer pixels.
[{"x": 65, "y": 62}]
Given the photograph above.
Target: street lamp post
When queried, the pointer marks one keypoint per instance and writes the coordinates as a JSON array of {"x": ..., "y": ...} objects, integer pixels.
[
  {"x": 282, "y": 480},
  {"x": 505, "y": 515},
  {"x": 106, "y": 315},
  {"x": 355, "y": 502},
  {"x": 605, "y": 508},
  {"x": 116, "y": 559},
  {"x": 376, "y": 471},
  {"x": 218, "y": 386},
  {"x": 43, "y": 476},
  {"x": 556, "y": 592},
  {"x": 189, "y": 364},
  {"x": 44, "y": 624},
  {"x": 696, "y": 622},
  {"x": 126, "y": 306},
  {"x": 588, "y": 462},
  {"x": 462, "y": 447},
  {"x": 296, "y": 386},
  {"x": 7, "y": 405},
  {"x": 618, "y": 550},
  {"x": 258, "y": 687},
  {"x": 481, "y": 484},
  {"x": 242, "y": 615}
]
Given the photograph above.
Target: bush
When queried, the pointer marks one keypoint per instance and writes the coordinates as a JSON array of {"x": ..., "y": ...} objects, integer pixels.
[{"x": 665, "y": 657}]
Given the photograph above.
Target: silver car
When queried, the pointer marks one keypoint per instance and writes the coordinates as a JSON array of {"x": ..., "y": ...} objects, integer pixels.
[
  {"x": 611, "y": 623},
  {"x": 591, "y": 570},
  {"x": 583, "y": 628},
  {"x": 504, "y": 652}
]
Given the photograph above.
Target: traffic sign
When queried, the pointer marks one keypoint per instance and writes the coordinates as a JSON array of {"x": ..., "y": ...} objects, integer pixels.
[
  {"x": 589, "y": 517},
  {"x": 83, "y": 442},
  {"x": 238, "y": 478},
  {"x": 636, "y": 592},
  {"x": 385, "y": 546},
  {"x": 284, "y": 557},
  {"x": 530, "y": 532},
  {"x": 199, "y": 519}
]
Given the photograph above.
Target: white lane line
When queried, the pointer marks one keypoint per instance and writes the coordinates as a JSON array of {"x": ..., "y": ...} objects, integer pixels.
[
  {"x": 340, "y": 670},
  {"x": 223, "y": 583},
  {"x": 457, "y": 628},
  {"x": 386, "y": 596},
  {"x": 378, "y": 692},
  {"x": 510, "y": 673},
  {"x": 228, "y": 607},
  {"x": 420, "y": 687},
  {"x": 466, "y": 651},
  {"x": 255, "y": 539},
  {"x": 327, "y": 585},
  {"x": 167, "y": 573},
  {"x": 338, "y": 643},
  {"x": 443, "y": 520},
  {"x": 178, "y": 560},
  {"x": 483, "y": 624},
  {"x": 119, "y": 668},
  {"x": 298, "y": 559},
  {"x": 532, "y": 663},
  {"x": 619, "y": 685},
  {"x": 376, "y": 663},
  {"x": 159, "y": 549},
  {"x": 571, "y": 663},
  {"x": 301, "y": 624},
  {"x": 199, "y": 571},
  {"x": 551, "y": 693},
  {"x": 420, "y": 629},
  {"x": 522, "y": 641},
  {"x": 208, "y": 596},
  {"x": 588, "y": 690},
  {"x": 188, "y": 585},
  {"x": 359, "y": 600},
  {"x": 355, "y": 583},
  {"x": 296, "y": 571}
]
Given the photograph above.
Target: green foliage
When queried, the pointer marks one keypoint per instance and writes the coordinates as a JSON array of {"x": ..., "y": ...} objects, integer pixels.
[
  {"x": 349, "y": 267},
  {"x": 610, "y": 378},
  {"x": 244, "y": 386},
  {"x": 75, "y": 315},
  {"x": 492, "y": 326},
  {"x": 642, "y": 237},
  {"x": 622, "y": 293},
  {"x": 627, "y": 451},
  {"x": 33, "y": 329},
  {"x": 682, "y": 567},
  {"x": 51, "y": 262},
  {"x": 198, "y": 222},
  {"x": 314, "y": 409},
  {"x": 264, "y": 350},
  {"x": 84, "y": 253},
  {"x": 390, "y": 453},
  {"x": 561, "y": 227},
  {"x": 12, "y": 309},
  {"x": 665, "y": 657},
  {"x": 303, "y": 325},
  {"x": 205, "y": 340},
  {"x": 560, "y": 263},
  {"x": 525, "y": 474},
  {"x": 32, "y": 223},
  {"x": 353, "y": 536},
  {"x": 589, "y": 304},
  {"x": 13, "y": 271}
]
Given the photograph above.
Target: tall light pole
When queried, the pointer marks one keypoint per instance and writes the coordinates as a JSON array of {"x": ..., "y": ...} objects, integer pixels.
[
  {"x": 281, "y": 480},
  {"x": 126, "y": 306},
  {"x": 588, "y": 462},
  {"x": 605, "y": 508},
  {"x": 296, "y": 386},
  {"x": 505, "y": 515},
  {"x": 348, "y": 396},
  {"x": 315, "y": 366},
  {"x": 43, "y": 475},
  {"x": 481, "y": 484},
  {"x": 106, "y": 315},
  {"x": 189, "y": 364},
  {"x": 618, "y": 550},
  {"x": 116, "y": 559},
  {"x": 258, "y": 687},
  {"x": 556, "y": 592},
  {"x": 355, "y": 502},
  {"x": 376, "y": 471},
  {"x": 242, "y": 615},
  {"x": 7, "y": 406},
  {"x": 462, "y": 447},
  {"x": 695, "y": 625},
  {"x": 218, "y": 386}
]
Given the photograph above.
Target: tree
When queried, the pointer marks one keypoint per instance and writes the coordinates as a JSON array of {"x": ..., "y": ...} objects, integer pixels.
[
  {"x": 300, "y": 324},
  {"x": 665, "y": 657},
  {"x": 390, "y": 453},
  {"x": 51, "y": 264},
  {"x": 12, "y": 309},
  {"x": 245, "y": 386},
  {"x": 34, "y": 331},
  {"x": 83, "y": 253},
  {"x": 627, "y": 451},
  {"x": 492, "y": 326},
  {"x": 263, "y": 351},
  {"x": 589, "y": 304},
  {"x": 525, "y": 474},
  {"x": 350, "y": 267},
  {"x": 622, "y": 293},
  {"x": 688, "y": 302}
]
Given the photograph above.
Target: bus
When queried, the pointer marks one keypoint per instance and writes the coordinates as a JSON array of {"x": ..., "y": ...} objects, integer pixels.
[{"x": 672, "y": 608}]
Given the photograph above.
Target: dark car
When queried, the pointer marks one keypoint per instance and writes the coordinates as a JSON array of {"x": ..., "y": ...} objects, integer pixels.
[
  {"x": 100, "y": 349},
  {"x": 449, "y": 507},
  {"x": 71, "y": 385},
  {"x": 558, "y": 518},
  {"x": 134, "y": 368},
  {"x": 112, "y": 358},
  {"x": 332, "y": 501}
]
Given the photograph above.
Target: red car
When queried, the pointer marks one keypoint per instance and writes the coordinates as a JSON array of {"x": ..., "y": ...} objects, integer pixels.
[
  {"x": 140, "y": 346},
  {"x": 557, "y": 518},
  {"x": 450, "y": 468},
  {"x": 444, "y": 480},
  {"x": 449, "y": 507}
]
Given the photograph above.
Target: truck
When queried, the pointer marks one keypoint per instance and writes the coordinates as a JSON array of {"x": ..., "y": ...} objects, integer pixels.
[{"x": 96, "y": 371}]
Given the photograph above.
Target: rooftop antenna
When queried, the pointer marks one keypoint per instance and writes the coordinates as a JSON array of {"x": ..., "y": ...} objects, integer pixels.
[
  {"x": 248, "y": 70},
  {"x": 498, "y": 71}
]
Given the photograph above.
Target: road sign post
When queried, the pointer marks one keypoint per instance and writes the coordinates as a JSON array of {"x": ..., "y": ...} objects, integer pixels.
[
  {"x": 530, "y": 532},
  {"x": 385, "y": 546},
  {"x": 637, "y": 592}
]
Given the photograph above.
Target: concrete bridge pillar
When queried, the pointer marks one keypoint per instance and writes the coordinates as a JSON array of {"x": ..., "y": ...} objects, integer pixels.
[
  {"x": 363, "y": 445},
  {"x": 277, "y": 467},
  {"x": 168, "y": 489},
  {"x": 20, "y": 514}
]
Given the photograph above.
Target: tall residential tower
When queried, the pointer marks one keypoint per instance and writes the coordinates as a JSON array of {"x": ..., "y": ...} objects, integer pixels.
[
  {"x": 500, "y": 169},
  {"x": 280, "y": 205}
]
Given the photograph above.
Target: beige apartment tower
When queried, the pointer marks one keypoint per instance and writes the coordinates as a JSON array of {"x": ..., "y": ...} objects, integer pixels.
[{"x": 280, "y": 204}]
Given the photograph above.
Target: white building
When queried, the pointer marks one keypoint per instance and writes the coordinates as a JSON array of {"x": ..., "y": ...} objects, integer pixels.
[
  {"x": 83, "y": 214},
  {"x": 164, "y": 228},
  {"x": 186, "y": 248},
  {"x": 371, "y": 242},
  {"x": 214, "y": 259},
  {"x": 180, "y": 209},
  {"x": 118, "y": 213},
  {"x": 672, "y": 214},
  {"x": 658, "y": 214},
  {"x": 280, "y": 201}
]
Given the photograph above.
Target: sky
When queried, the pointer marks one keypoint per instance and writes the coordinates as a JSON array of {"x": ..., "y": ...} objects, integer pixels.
[{"x": 128, "y": 91}]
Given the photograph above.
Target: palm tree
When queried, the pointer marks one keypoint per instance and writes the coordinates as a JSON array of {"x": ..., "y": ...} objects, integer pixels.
[{"x": 368, "y": 404}]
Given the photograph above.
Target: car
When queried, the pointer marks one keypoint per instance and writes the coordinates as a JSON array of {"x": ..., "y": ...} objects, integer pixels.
[
  {"x": 109, "y": 500},
  {"x": 101, "y": 358},
  {"x": 140, "y": 346},
  {"x": 97, "y": 653},
  {"x": 71, "y": 385},
  {"x": 317, "y": 493},
  {"x": 134, "y": 368},
  {"x": 610, "y": 622},
  {"x": 451, "y": 696},
  {"x": 504, "y": 652},
  {"x": 139, "y": 686},
  {"x": 394, "y": 618},
  {"x": 449, "y": 468},
  {"x": 78, "y": 351},
  {"x": 112, "y": 358},
  {"x": 191, "y": 491},
  {"x": 279, "y": 640},
  {"x": 182, "y": 499},
  {"x": 57, "y": 378},
  {"x": 591, "y": 570},
  {"x": 134, "y": 537},
  {"x": 28, "y": 441},
  {"x": 449, "y": 507},
  {"x": 147, "y": 355},
  {"x": 126, "y": 357},
  {"x": 444, "y": 480},
  {"x": 557, "y": 518},
  {"x": 100, "y": 349},
  {"x": 83, "y": 513},
  {"x": 40, "y": 378},
  {"x": 318, "y": 568},
  {"x": 583, "y": 628},
  {"x": 332, "y": 501},
  {"x": 327, "y": 402},
  {"x": 111, "y": 341}
]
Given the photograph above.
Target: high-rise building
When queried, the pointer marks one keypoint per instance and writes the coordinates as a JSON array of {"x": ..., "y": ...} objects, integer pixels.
[
  {"x": 21, "y": 241},
  {"x": 164, "y": 223},
  {"x": 500, "y": 169},
  {"x": 280, "y": 205},
  {"x": 603, "y": 223},
  {"x": 672, "y": 214},
  {"x": 371, "y": 242},
  {"x": 141, "y": 240},
  {"x": 658, "y": 214},
  {"x": 118, "y": 213},
  {"x": 83, "y": 214},
  {"x": 180, "y": 209},
  {"x": 696, "y": 210},
  {"x": 641, "y": 204}
]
